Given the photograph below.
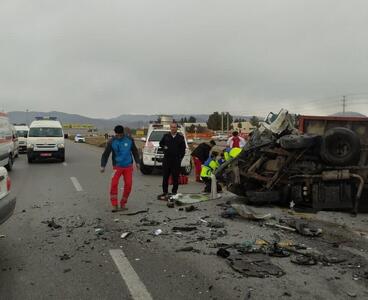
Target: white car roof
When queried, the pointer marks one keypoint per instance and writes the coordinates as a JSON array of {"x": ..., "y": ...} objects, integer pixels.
[
  {"x": 21, "y": 127},
  {"x": 46, "y": 123}
]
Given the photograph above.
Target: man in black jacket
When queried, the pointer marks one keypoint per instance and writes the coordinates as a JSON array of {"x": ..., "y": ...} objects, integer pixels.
[
  {"x": 174, "y": 146},
  {"x": 200, "y": 155}
]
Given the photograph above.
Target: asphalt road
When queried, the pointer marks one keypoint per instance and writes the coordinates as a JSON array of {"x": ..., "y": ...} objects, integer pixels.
[
  {"x": 73, "y": 262},
  {"x": 38, "y": 262}
]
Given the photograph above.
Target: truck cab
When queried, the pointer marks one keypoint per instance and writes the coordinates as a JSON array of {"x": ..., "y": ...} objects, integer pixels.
[{"x": 45, "y": 140}]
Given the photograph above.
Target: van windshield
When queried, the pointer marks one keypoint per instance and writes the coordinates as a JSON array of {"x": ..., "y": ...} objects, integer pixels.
[
  {"x": 22, "y": 133},
  {"x": 45, "y": 132}
]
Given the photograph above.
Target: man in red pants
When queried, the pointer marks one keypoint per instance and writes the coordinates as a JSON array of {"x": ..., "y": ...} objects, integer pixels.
[
  {"x": 123, "y": 150},
  {"x": 200, "y": 155}
]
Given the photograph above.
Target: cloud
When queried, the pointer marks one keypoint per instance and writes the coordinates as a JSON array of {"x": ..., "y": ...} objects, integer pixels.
[{"x": 104, "y": 58}]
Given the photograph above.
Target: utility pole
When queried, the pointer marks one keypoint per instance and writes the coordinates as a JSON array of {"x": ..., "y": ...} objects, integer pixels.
[
  {"x": 227, "y": 122},
  {"x": 343, "y": 105},
  {"x": 222, "y": 122}
]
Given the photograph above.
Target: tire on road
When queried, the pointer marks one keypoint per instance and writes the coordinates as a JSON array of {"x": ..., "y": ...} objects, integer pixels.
[
  {"x": 340, "y": 147},
  {"x": 9, "y": 165},
  {"x": 293, "y": 141},
  {"x": 146, "y": 170}
]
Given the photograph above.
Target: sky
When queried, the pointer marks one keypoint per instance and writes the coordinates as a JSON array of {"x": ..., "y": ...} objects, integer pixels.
[{"x": 106, "y": 58}]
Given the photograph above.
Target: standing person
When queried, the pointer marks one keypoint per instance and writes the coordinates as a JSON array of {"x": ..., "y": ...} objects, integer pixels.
[
  {"x": 174, "y": 146},
  {"x": 122, "y": 148},
  {"x": 200, "y": 155},
  {"x": 236, "y": 141}
]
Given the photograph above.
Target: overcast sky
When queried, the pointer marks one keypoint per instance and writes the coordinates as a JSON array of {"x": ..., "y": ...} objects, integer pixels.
[{"x": 102, "y": 58}]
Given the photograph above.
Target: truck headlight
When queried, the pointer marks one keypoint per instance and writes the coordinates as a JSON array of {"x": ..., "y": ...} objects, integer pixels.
[{"x": 60, "y": 146}]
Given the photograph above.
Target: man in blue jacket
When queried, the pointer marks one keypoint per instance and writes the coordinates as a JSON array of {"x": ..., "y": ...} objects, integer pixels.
[{"x": 123, "y": 150}]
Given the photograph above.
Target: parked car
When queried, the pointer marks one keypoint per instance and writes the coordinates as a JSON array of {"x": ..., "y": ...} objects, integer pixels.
[
  {"x": 45, "y": 140},
  {"x": 79, "y": 138},
  {"x": 22, "y": 133},
  {"x": 15, "y": 141},
  {"x": 152, "y": 154},
  {"x": 7, "y": 200},
  {"x": 7, "y": 153}
]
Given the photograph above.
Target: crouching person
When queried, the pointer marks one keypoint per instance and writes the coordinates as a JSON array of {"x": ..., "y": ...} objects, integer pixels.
[{"x": 208, "y": 168}]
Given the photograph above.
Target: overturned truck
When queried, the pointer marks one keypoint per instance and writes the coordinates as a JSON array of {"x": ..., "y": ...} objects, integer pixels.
[{"x": 318, "y": 163}]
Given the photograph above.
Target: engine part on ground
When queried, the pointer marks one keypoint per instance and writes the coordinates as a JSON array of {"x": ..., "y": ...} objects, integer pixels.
[
  {"x": 293, "y": 141},
  {"x": 340, "y": 147}
]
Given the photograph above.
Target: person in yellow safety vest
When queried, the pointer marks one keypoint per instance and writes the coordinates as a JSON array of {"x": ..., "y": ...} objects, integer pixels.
[
  {"x": 231, "y": 153},
  {"x": 208, "y": 168}
]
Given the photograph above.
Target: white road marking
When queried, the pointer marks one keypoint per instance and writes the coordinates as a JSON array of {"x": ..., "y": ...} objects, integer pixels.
[
  {"x": 65, "y": 164},
  {"x": 136, "y": 287},
  {"x": 76, "y": 184}
]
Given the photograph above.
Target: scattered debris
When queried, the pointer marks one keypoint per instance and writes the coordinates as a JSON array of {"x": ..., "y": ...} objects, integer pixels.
[
  {"x": 99, "y": 231},
  {"x": 186, "y": 228},
  {"x": 2, "y": 236},
  {"x": 215, "y": 224},
  {"x": 136, "y": 213},
  {"x": 304, "y": 260},
  {"x": 302, "y": 227},
  {"x": 125, "y": 234},
  {"x": 223, "y": 253},
  {"x": 255, "y": 265},
  {"x": 67, "y": 270},
  {"x": 280, "y": 226},
  {"x": 147, "y": 222},
  {"x": 185, "y": 249},
  {"x": 190, "y": 208},
  {"x": 157, "y": 232},
  {"x": 52, "y": 224},
  {"x": 64, "y": 257},
  {"x": 244, "y": 212}
]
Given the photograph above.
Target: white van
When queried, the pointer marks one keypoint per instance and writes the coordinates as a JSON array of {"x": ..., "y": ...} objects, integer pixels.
[
  {"x": 22, "y": 133},
  {"x": 152, "y": 154},
  {"x": 6, "y": 143},
  {"x": 45, "y": 140}
]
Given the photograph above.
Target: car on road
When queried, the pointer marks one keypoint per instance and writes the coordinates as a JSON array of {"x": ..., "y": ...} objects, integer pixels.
[
  {"x": 7, "y": 153},
  {"x": 45, "y": 140},
  {"x": 152, "y": 154},
  {"x": 22, "y": 133},
  {"x": 79, "y": 138},
  {"x": 7, "y": 200},
  {"x": 220, "y": 137},
  {"x": 15, "y": 141}
]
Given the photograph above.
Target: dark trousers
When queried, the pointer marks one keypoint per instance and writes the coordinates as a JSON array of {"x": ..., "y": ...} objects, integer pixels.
[
  {"x": 208, "y": 182},
  {"x": 170, "y": 168}
]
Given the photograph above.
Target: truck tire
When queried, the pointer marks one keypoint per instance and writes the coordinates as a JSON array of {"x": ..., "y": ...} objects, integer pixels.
[
  {"x": 146, "y": 170},
  {"x": 9, "y": 166},
  {"x": 293, "y": 141},
  {"x": 340, "y": 147}
]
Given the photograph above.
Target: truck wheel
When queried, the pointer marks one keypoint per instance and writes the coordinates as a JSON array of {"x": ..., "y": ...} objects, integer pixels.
[
  {"x": 293, "y": 141},
  {"x": 146, "y": 170},
  {"x": 9, "y": 166},
  {"x": 340, "y": 147}
]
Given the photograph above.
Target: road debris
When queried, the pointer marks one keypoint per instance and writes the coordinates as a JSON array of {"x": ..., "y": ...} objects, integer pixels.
[
  {"x": 216, "y": 224},
  {"x": 157, "y": 232},
  {"x": 148, "y": 222},
  {"x": 254, "y": 265},
  {"x": 125, "y": 234},
  {"x": 185, "y": 249},
  {"x": 99, "y": 231},
  {"x": 136, "y": 212},
  {"x": 52, "y": 224},
  {"x": 190, "y": 208},
  {"x": 223, "y": 253},
  {"x": 64, "y": 257},
  {"x": 244, "y": 212},
  {"x": 184, "y": 228}
]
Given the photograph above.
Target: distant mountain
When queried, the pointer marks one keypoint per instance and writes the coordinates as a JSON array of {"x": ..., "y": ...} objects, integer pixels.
[
  {"x": 349, "y": 114},
  {"x": 128, "y": 120}
]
